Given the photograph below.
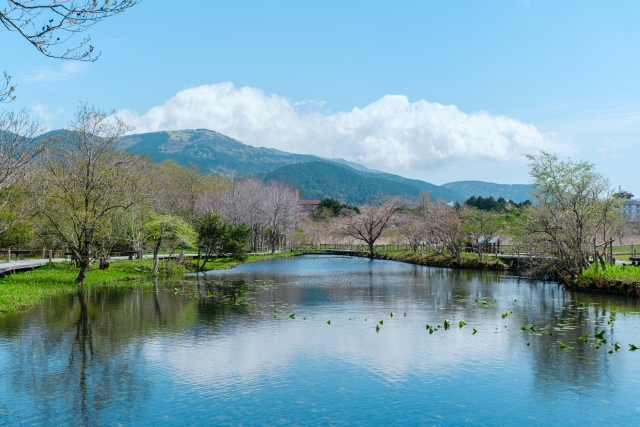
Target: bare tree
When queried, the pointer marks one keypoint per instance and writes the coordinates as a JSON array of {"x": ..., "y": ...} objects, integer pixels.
[
  {"x": 445, "y": 231},
  {"x": 85, "y": 181},
  {"x": 281, "y": 211},
  {"x": 6, "y": 89},
  {"x": 574, "y": 202},
  {"x": 370, "y": 223},
  {"x": 19, "y": 146},
  {"x": 50, "y": 24}
]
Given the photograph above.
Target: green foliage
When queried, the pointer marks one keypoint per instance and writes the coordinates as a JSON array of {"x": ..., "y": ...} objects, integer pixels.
[
  {"x": 329, "y": 208},
  {"x": 217, "y": 236}
]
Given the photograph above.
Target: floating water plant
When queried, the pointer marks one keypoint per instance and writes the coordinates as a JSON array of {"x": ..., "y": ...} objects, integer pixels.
[
  {"x": 328, "y": 322},
  {"x": 292, "y": 316},
  {"x": 616, "y": 346},
  {"x": 377, "y": 328},
  {"x": 430, "y": 330},
  {"x": 446, "y": 324},
  {"x": 508, "y": 313},
  {"x": 633, "y": 347},
  {"x": 600, "y": 334},
  {"x": 391, "y": 314},
  {"x": 524, "y": 328},
  {"x": 382, "y": 322},
  {"x": 474, "y": 331},
  {"x": 550, "y": 333},
  {"x": 461, "y": 323}
]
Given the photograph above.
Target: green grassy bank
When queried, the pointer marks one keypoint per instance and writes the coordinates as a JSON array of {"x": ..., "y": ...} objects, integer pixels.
[
  {"x": 469, "y": 261},
  {"x": 22, "y": 291},
  {"x": 619, "y": 279}
]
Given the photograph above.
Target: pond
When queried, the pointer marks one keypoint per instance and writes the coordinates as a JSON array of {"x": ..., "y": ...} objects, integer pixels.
[{"x": 312, "y": 341}]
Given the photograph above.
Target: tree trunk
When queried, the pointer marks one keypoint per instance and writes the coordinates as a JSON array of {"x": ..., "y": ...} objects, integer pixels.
[
  {"x": 156, "y": 260},
  {"x": 372, "y": 250},
  {"x": 84, "y": 265}
]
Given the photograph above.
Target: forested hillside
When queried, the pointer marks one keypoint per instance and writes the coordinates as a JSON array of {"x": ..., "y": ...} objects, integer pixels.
[
  {"x": 318, "y": 180},
  {"x": 516, "y": 192}
]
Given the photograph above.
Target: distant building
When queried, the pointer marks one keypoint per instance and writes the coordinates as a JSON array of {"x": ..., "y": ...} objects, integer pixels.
[{"x": 630, "y": 207}]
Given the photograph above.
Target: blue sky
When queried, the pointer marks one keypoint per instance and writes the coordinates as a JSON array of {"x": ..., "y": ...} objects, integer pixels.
[{"x": 443, "y": 91}]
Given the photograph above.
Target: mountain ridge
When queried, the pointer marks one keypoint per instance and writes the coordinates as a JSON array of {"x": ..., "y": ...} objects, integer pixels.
[{"x": 213, "y": 152}]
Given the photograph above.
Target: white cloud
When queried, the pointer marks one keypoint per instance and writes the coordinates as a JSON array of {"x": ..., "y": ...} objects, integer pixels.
[{"x": 391, "y": 133}]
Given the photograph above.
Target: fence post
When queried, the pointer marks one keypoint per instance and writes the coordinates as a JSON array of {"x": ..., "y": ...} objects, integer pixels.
[
  {"x": 43, "y": 253},
  {"x": 8, "y": 254},
  {"x": 50, "y": 256}
]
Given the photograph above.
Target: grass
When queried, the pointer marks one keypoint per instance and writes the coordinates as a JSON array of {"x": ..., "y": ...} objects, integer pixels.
[
  {"x": 21, "y": 291},
  {"x": 624, "y": 279},
  {"x": 469, "y": 260}
]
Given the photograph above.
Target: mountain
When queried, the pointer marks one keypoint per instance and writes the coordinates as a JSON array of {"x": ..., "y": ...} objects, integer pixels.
[
  {"x": 516, "y": 192},
  {"x": 317, "y": 180},
  {"x": 211, "y": 152}
]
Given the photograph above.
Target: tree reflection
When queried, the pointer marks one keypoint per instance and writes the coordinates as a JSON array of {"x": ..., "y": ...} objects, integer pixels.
[{"x": 78, "y": 360}]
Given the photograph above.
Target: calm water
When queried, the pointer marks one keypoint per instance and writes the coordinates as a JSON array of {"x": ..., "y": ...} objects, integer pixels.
[{"x": 226, "y": 352}]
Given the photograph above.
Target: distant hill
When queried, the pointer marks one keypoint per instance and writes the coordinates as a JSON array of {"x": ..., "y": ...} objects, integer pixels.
[
  {"x": 516, "y": 192},
  {"x": 317, "y": 180},
  {"x": 211, "y": 152},
  {"x": 216, "y": 153}
]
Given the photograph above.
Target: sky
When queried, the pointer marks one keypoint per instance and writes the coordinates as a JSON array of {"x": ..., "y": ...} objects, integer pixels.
[{"x": 440, "y": 91}]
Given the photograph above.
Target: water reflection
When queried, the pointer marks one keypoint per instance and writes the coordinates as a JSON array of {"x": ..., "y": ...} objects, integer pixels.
[{"x": 224, "y": 350}]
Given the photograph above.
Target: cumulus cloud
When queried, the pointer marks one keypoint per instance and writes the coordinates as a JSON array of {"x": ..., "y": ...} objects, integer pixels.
[{"x": 391, "y": 133}]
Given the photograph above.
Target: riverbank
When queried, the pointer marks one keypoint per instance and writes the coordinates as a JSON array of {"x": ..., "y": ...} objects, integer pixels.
[
  {"x": 21, "y": 291},
  {"x": 617, "y": 280},
  {"x": 469, "y": 261}
]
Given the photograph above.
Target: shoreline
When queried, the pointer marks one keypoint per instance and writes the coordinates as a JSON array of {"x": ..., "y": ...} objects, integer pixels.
[
  {"x": 590, "y": 282},
  {"x": 21, "y": 291}
]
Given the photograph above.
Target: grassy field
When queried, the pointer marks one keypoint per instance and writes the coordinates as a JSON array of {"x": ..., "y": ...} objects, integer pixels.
[{"x": 21, "y": 291}]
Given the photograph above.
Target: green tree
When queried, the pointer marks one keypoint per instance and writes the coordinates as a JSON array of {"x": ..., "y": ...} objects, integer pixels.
[
  {"x": 85, "y": 180},
  {"x": 167, "y": 230},
  {"x": 481, "y": 226},
  {"x": 217, "y": 236},
  {"x": 573, "y": 200}
]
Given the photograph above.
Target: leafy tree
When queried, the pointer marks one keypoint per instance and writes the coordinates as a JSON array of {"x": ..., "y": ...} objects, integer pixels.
[
  {"x": 217, "y": 236},
  {"x": 331, "y": 207},
  {"x": 481, "y": 226},
  {"x": 167, "y": 229},
  {"x": 48, "y": 25},
  {"x": 573, "y": 200},
  {"x": 85, "y": 181}
]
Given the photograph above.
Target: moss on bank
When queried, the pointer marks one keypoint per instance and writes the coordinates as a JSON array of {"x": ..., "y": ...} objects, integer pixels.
[{"x": 22, "y": 291}]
